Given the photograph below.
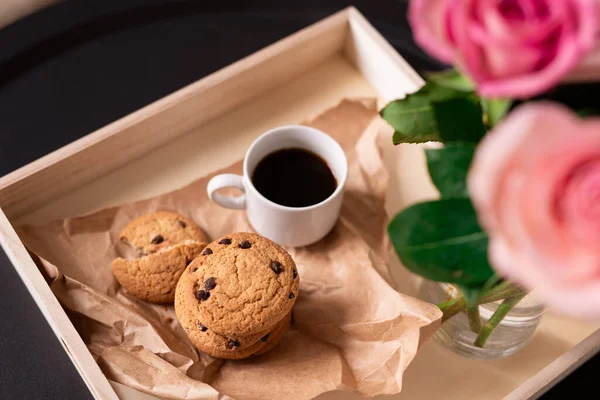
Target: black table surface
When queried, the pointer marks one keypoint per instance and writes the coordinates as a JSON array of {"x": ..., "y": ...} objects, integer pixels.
[{"x": 77, "y": 66}]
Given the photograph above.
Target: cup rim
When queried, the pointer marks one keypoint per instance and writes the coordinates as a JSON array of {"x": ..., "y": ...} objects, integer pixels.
[{"x": 313, "y": 131}]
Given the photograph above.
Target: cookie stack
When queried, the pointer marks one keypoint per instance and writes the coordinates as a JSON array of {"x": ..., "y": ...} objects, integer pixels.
[
  {"x": 164, "y": 243},
  {"x": 235, "y": 299}
]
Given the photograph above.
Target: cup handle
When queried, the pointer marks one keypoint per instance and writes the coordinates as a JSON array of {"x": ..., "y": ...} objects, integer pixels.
[{"x": 223, "y": 181}]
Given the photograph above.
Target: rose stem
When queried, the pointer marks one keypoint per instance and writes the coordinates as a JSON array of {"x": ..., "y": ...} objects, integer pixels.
[
  {"x": 490, "y": 283},
  {"x": 501, "y": 312},
  {"x": 504, "y": 290},
  {"x": 449, "y": 303},
  {"x": 500, "y": 287},
  {"x": 501, "y": 293},
  {"x": 457, "y": 305},
  {"x": 474, "y": 318}
]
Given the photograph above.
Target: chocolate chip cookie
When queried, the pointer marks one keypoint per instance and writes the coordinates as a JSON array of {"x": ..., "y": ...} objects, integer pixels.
[
  {"x": 159, "y": 230},
  {"x": 231, "y": 346},
  {"x": 241, "y": 284},
  {"x": 154, "y": 277},
  {"x": 274, "y": 337}
]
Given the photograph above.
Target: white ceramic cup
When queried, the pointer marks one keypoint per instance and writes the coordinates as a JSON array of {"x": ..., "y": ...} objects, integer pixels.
[{"x": 288, "y": 226}]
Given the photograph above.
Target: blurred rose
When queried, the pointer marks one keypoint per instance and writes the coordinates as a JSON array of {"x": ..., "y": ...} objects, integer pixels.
[
  {"x": 535, "y": 183},
  {"x": 510, "y": 48}
]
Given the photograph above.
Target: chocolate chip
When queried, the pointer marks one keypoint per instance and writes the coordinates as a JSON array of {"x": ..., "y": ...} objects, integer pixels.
[
  {"x": 244, "y": 244},
  {"x": 291, "y": 296},
  {"x": 202, "y": 295},
  {"x": 276, "y": 267},
  {"x": 225, "y": 241},
  {"x": 181, "y": 223},
  {"x": 210, "y": 283},
  {"x": 157, "y": 239},
  {"x": 202, "y": 327},
  {"x": 295, "y": 273},
  {"x": 207, "y": 252},
  {"x": 265, "y": 338},
  {"x": 233, "y": 343}
]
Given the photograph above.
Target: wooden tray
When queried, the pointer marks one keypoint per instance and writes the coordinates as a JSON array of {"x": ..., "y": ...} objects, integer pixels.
[{"x": 160, "y": 148}]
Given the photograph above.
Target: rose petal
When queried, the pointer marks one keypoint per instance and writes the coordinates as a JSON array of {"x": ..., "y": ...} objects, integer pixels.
[
  {"x": 428, "y": 21},
  {"x": 471, "y": 54},
  {"x": 530, "y": 84},
  {"x": 525, "y": 31},
  {"x": 579, "y": 204},
  {"x": 588, "y": 69},
  {"x": 580, "y": 21},
  {"x": 500, "y": 66},
  {"x": 528, "y": 183},
  {"x": 495, "y": 152},
  {"x": 578, "y": 300},
  {"x": 517, "y": 185}
]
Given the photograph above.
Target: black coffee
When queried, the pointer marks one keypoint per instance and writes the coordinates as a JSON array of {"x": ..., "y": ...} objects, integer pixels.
[{"x": 294, "y": 178}]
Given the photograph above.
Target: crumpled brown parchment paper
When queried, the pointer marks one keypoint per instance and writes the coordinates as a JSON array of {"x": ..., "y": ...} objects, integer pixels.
[{"x": 352, "y": 331}]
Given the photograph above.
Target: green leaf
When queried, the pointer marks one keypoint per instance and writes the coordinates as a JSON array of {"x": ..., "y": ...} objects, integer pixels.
[
  {"x": 452, "y": 79},
  {"x": 459, "y": 120},
  {"x": 495, "y": 110},
  {"x": 442, "y": 241},
  {"x": 449, "y": 166},
  {"x": 413, "y": 118}
]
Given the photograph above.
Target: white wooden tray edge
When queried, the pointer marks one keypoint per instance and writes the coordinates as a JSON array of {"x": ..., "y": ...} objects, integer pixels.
[
  {"x": 547, "y": 378},
  {"x": 91, "y": 156},
  {"x": 347, "y": 31}
]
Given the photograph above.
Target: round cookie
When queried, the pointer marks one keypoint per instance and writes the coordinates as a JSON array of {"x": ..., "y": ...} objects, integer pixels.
[
  {"x": 159, "y": 230},
  {"x": 231, "y": 347},
  {"x": 154, "y": 277},
  {"x": 253, "y": 285},
  {"x": 275, "y": 336}
]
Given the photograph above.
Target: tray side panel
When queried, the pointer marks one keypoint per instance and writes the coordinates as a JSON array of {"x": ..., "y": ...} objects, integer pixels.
[
  {"x": 94, "y": 155},
  {"x": 177, "y": 116},
  {"x": 53, "y": 312},
  {"x": 557, "y": 370},
  {"x": 378, "y": 61},
  {"x": 214, "y": 145}
]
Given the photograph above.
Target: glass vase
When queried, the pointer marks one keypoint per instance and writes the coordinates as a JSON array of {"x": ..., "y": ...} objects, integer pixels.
[{"x": 511, "y": 334}]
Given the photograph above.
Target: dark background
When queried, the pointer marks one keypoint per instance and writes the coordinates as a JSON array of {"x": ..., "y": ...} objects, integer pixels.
[{"x": 77, "y": 66}]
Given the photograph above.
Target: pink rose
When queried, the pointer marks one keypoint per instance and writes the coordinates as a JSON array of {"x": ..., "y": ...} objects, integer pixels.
[
  {"x": 535, "y": 183},
  {"x": 510, "y": 48}
]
